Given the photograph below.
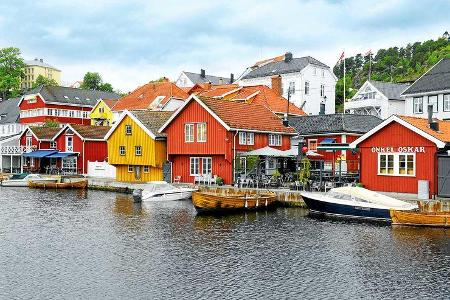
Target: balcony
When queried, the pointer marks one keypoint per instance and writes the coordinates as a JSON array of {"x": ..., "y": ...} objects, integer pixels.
[
  {"x": 360, "y": 103},
  {"x": 15, "y": 150}
]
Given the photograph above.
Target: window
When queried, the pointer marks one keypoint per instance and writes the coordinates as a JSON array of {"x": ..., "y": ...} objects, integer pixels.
[
  {"x": 447, "y": 102},
  {"x": 323, "y": 73},
  {"x": 201, "y": 132},
  {"x": 122, "y": 151},
  {"x": 306, "y": 87},
  {"x": 195, "y": 162},
  {"x": 49, "y": 111},
  {"x": 242, "y": 138},
  {"x": 433, "y": 100},
  {"x": 250, "y": 138},
  {"x": 130, "y": 169},
  {"x": 53, "y": 145},
  {"x": 71, "y": 113},
  {"x": 69, "y": 143},
  {"x": 417, "y": 105},
  {"x": 315, "y": 71},
  {"x": 271, "y": 163},
  {"x": 322, "y": 90},
  {"x": 128, "y": 130},
  {"x": 78, "y": 114},
  {"x": 85, "y": 114},
  {"x": 101, "y": 110},
  {"x": 69, "y": 163},
  {"x": 396, "y": 164},
  {"x": 189, "y": 133},
  {"x": 246, "y": 138},
  {"x": 146, "y": 169},
  {"x": 138, "y": 150},
  {"x": 312, "y": 145},
  {"x": 292, "y": 87},
  {"x": 29, "y": 141},
  {"x": 206, "y": 166},
  {"x": 274, "y": 140}
]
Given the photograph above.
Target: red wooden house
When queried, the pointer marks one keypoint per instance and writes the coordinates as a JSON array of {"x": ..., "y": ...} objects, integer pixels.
[
  {"x": 205, "y": 135},
  {"x": 62, "y": 104},
  {"x": 402, "y": 151}
]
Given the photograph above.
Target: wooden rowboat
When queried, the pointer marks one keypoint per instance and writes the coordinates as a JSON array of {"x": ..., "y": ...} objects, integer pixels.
[
  {"x": 79, "y": 184},
  {"x": 221, "y": 203},
  {"x": 420, "y": 218}
]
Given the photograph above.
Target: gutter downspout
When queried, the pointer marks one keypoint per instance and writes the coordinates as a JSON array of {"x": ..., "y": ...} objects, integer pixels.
[
  {"x": 234, "y": 156},
  {"x": 84, "y": 158}
]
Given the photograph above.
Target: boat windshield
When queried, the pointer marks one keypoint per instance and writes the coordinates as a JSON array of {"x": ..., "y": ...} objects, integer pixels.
[
  {"x": 159, "y": 187},
  {"x": 337, "y": 195},
  {"x": 19, "y": 176}
]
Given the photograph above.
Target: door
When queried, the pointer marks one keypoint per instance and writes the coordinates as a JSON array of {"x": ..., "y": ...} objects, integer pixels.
[
  {"x": 69, "y": 143},
  {"x": 444, "y": 176},
  {"x": 167, "y": 171}
]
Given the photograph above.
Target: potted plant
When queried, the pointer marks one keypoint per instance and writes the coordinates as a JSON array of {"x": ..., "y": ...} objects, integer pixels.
[{"x": 219, "y": 181}]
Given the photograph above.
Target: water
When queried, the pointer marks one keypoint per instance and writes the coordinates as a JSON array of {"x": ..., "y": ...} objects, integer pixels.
[{"x": 92, "y": 245}]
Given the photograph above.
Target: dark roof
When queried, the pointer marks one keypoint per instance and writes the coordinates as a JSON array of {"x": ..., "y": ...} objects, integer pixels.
[
  {"x": 153, "y": 120},
  {"x": 391, "y": 90},
  {"x": 37, "y": 62},
  {"x": 435, "y": 80},
  {"x": 91, "y": 132},
  {"x": 197, "y": 78},
  {"x": 9, "y": 111},
  {"x": 282, "y": 67},
  {"x": 2, "y": 138},
  {"x": 45, "y": 133},
  {"x": 62, "y": 94},
  {"x": 336, "y": 123}
]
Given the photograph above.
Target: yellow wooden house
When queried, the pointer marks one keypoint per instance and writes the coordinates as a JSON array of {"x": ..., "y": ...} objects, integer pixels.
[
  {"x": 136, "y": 148},
  {"x": 101, "y": 114}
]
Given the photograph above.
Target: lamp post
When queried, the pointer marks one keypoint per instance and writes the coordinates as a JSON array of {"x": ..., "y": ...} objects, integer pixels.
[{"x": 301, "y": 144}]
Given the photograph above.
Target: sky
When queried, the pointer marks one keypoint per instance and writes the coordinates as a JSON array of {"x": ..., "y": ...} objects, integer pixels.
[{"x": 132, "y": 42}]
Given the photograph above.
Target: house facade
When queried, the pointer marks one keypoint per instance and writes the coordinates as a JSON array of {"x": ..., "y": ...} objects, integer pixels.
[
  {"x": 310, "y": 81},
  {"x": 61, "y": 104},
  {"x": 189, "y": 79},
  {"x": 377, "y": 98},
  {"x": 38, "y": 67},
  {"x": 433, "y": 87},
  {"x": 205, "y": 136},
  {"x": 136, "y": 148},
  {"x": 102, "y": 114}
]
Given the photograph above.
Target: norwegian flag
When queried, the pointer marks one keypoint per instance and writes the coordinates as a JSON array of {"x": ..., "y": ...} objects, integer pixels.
[
  {"x": 368, "y": 52},
  {"x": 342, "y": 56}
]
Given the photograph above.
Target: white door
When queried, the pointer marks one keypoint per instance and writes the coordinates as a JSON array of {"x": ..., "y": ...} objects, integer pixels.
[{"x": 69, "y": 143}]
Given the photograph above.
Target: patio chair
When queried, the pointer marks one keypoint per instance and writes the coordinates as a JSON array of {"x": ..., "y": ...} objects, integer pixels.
[
  {"x": 177, "y": 179},
  {"x": 315, "y": 185},
  {"x": 328, "y": 186}
]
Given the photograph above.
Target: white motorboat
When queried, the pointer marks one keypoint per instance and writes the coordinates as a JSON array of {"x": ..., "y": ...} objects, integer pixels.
[
  {"x": 162, "y": 191},
  {"x": 22, "y": 180},
  {"x": 354, "y": 202}
]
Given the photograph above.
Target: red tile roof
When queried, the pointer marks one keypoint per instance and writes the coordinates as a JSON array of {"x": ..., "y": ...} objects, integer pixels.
[
  {"x": 421, "y": 123},
  {"x": 110, "y": 102},
  {"x": 143, "y": 96}
]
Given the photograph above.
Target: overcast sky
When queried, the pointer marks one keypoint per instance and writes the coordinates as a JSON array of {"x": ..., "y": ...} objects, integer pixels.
[{"x": 132, "y": 42}]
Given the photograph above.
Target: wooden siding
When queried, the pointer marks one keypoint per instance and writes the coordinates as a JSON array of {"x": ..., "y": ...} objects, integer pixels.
[
  {"x": 106, "y": 115},
  {"x": 122, "y": 174},
  {"x": 396, "y": 135}
]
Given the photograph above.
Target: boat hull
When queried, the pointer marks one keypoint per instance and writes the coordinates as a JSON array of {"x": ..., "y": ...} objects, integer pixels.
[
  {"x": 317, "y": 206},
  {"x": 81, "y": 184},
  {"x": 172, "y": 196},
  {"x": 415, "y": 218},
  {"x": 205, "y": 202}
]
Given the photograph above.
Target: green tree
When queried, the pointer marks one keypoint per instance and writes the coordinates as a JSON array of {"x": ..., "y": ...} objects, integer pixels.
[
  {"x": 93, "y": 81},
  {"x": 51, "y": 123},
  {"x": 41, "y": 80},
  {"x": 12, "y": 70}
]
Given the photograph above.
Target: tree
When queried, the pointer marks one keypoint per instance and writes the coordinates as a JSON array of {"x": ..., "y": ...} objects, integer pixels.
[
  {"x": 51, "y": 123},
  {"x": 41, "y": 80},
  {"x": 12, "y": 69},
  {"x": 93, "y": 81}
]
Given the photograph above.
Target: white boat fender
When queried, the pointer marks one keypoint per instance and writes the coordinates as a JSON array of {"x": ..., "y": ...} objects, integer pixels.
[
  {"x": 137, "y": 195},
  {"x": 266, "y": 201},
  {"x": 246, "y": 204},
  {"x": 257, "y": 202}
]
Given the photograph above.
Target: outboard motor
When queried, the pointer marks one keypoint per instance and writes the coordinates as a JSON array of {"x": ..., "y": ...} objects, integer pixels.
[{"x": 137, "y": 195}]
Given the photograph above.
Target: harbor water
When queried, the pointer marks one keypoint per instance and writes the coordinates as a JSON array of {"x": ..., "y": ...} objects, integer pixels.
[{"x": 101, "y": 245}]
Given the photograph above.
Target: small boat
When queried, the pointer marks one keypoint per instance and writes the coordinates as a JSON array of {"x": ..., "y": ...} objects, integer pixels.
[
  {"x": 77, "y": 184},
  {"x": 354, "y": 202},
  {"x": 162, "y": 191},
  {"x": 430, "y": 215},
  {"x": 22, "y": 180},
  {"x": 220, "y": 203}
]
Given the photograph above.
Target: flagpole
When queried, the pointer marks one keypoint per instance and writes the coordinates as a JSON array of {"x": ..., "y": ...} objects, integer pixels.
[
  {"x": 370, "y": 64},
  {"x": 344, "y": 75}
]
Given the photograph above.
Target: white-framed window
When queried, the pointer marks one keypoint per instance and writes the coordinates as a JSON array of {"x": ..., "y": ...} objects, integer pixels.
[
  {"x": 271, "y": 163},
  {"x": 315, "y": 71},
  {"x": 201, "y": 132},
  {"x": 138, "y": 150},
  {"x": 322, "y": 90},
  {"x": 312, "y": 144},
  {"x": 78, "y": 114},
  {"x": 122, "y": 151},
  {"x": 49, "y": 112},
  {"x": 101, "y": 110},
  {"x": 29, "y": 140},
  {"x": 128, "y": 130},
  {"x": 146, "y": 169},
  {"x": 194, "y": 166},
  {"x": 189, "y": 133},
  {"x": 397, "y": 164},
  {"x": 292, "y": 87},
  {"x": 206, "y": 165},
  {"x": 53, "y": 144},
  {"x": 71, "y": 113},
  {"x": 306, "y": 87},
  {"x": 274, "y": 139},
  {"x": 85, "y": 115},
  {"x": 69, "y": 163},
  {"x": 69, "y": 143},
  {"x": 246, "y": 138},
  {"x": 242, "y": 138},
  {"x": 250, "y": 138},
  {"x": 434, "y": 101},
  {"x": 130, "y": 169},
  {"x": 418, "y": 105},
  {"x": 323, "y": 73},
  {"x": 447, "y": 102}
]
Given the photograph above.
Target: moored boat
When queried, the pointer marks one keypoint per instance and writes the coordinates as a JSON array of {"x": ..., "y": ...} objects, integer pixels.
[
  {"x": 221, "y": 203},
  {"x": 23, "y": 179},
  {"x": 420, "y": 218},
  {"x": 77, "y": 184},
  {"x": 162, "y": 191},
  {"x": 355, "y": 203}
]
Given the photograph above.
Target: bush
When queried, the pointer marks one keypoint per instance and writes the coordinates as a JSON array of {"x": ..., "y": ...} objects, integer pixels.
[{"x": 219, "y": 181}]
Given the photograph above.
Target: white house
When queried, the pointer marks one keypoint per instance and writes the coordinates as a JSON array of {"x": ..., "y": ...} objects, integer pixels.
[
  {"x": 377, "y": 98},
  {"x": 433, "y": 87},
  {"x": 189, "y": 79},
  {"x": 310, "y": 81}
]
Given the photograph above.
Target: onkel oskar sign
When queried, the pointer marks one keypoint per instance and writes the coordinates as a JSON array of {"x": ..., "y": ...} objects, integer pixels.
[{"x": 401, "y": 149}]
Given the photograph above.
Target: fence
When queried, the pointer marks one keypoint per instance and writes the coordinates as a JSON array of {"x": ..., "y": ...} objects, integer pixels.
[{"x": 101, "y": 169}]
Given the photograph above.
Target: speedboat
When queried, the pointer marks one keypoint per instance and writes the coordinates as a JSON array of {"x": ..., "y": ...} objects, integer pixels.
[
  {"x": 22, "y": 180},
  {"x": 162, "y": 191},
  {"x": 354, "y": 202}
]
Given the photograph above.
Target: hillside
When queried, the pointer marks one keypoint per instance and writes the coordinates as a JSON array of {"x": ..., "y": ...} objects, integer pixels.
[{"x": 392, "y": 65}]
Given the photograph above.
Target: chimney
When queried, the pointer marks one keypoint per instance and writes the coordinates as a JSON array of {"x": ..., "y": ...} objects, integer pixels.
[
  {"x": 231, "y": 78},
  {"x": 288, "y": 57},
  {"x": 202, "y": 73},
  {"x": 322, "y": 108},
  {"x": 286, "y": 120},
  {"x": 276, "y": 84},
  {"x": 41, "y": 60},
  {"x": 433, "y": 125}
]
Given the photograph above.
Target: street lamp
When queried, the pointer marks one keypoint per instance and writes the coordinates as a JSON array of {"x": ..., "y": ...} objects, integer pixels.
[{"x": 301, "y": 144}]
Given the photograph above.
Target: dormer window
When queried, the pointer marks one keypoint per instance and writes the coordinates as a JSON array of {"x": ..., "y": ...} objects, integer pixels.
[
  {"x": 128, "y": 130},
  {"x": 157, "y": 102}
]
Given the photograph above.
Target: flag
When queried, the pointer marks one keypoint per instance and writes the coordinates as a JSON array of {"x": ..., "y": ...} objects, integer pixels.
[
  {"x": 368, "y": 52},
  {"x": 342, "y": 57}
]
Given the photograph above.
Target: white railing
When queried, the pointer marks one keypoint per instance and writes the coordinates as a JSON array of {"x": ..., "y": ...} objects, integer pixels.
[{"x": 15, "y": 150}]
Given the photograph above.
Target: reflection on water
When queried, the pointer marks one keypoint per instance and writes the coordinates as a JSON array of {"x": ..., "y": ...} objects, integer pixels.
[{"x": 72, "y": 244}]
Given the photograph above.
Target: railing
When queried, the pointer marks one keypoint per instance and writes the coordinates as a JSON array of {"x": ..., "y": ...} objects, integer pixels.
[{"x": 15, "y": 150}]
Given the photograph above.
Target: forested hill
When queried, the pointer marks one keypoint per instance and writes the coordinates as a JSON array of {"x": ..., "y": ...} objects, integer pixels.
[{"x": 393, "y": 65}]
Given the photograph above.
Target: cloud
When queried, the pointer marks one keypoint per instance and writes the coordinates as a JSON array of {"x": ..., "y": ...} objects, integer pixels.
[{"x": 131, "y": 42}]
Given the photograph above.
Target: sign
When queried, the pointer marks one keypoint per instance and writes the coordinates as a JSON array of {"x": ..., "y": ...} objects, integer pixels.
[{"x": 401, "y": 149}]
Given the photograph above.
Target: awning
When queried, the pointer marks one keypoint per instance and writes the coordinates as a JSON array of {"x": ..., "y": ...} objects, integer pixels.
[
  {"x": 62, "y": 154},
  {"x": 327, "y": 141},
  {"x": 266, "y": 151},
  {"x": 39, "y": 153},
  {"x": 294, "y": 152}
]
